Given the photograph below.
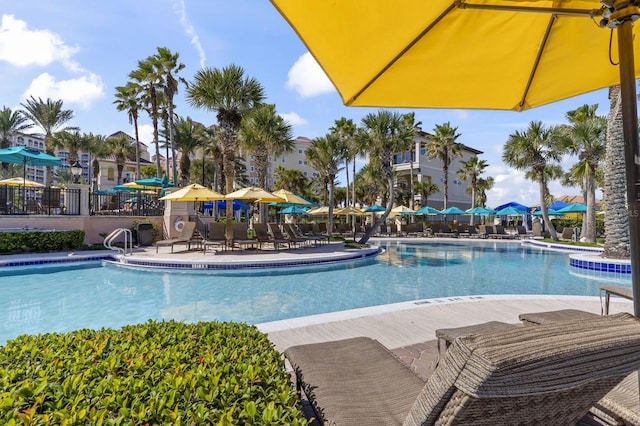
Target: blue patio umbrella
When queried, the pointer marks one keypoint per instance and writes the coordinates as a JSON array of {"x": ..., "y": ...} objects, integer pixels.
[
  {"x": 524, "y": 209},
  {"x": 293, "y": 210},
  {"x": 426, "y": 210},
  {"x": 557, "y": 205},
  {"x": 374, "y": 209},
  {"x": 510, "y": 211},
  {"x": 574, "y": 208},
  {"x": 452, "y": 210},
  {"x": 222, "y": 205}
]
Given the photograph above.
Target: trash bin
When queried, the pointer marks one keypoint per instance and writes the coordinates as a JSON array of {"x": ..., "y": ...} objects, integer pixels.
[{"x": 144, "y": 233}]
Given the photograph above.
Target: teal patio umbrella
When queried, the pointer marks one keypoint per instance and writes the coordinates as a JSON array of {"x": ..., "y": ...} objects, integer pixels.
[
  {"x": 452, "y": 210},
  {"x": 27, "y": 157},
  {"x": 293, "y": 210},
  {"x": 426, "y": 210},
  {"x": 509, "y": 211},
  {"x": 480, "y": 211},
  {"x": 374, "y": 209},
  {"x": 550, "y": 211},
  {"x": 573, "y": 208}
]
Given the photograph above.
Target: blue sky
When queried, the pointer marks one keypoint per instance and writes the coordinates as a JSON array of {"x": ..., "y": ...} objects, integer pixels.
[{"x": 79, "y": 51}]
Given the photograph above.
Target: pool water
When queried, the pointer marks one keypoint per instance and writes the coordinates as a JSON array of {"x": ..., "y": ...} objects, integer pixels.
[{"x": 91, "y": 295}]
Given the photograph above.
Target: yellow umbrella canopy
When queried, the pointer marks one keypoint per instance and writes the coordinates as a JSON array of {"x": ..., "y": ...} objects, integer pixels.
[
  {"x": 193, "y": 192},
  {"x": 18, "y": 181},
  {"x": 402, "y": 210},
  {"x": 516, "y": 58},
  {"x": 318, "y": 211},
  {"x": 290, "y": 197},
  {"x": 253, "y": 193},
  {"x": 348, "y": 211},
  {"x": 489, "y": 54}
]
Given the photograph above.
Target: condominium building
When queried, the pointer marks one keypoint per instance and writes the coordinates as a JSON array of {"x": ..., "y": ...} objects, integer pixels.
[{"x": 425, "y": 169}]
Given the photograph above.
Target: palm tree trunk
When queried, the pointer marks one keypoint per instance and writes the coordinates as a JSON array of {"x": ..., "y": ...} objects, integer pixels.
[
  {"x": 616, "y": 222},
  {"x": 590, "y": 216},
  {"x": 331, "y": 197},
  {"x": 543, "y": 203},
  {"x": 135, "y": 127},
  {"x": 385, "y": 215}
]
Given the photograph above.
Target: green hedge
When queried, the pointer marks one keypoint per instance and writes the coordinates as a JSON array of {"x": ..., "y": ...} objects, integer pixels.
[
  {"x": 40, "y": 241},
  {"x": 158, "y": 373}
]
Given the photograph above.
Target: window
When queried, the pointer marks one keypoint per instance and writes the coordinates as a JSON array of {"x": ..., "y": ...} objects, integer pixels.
[
  {"x": 253, "y": 169},
  {"x": 299, "y": 161},
  {"x": 110, "y": 173},
  {"x": 299, "y": 151},
  {"x": 305, "y": 173},
  {"x": 305, "y": 162}
]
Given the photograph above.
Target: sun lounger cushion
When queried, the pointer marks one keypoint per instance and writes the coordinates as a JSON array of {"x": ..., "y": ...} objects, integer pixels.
[
  {"x": 355, "y": 382},
  {"x": 550, "y": 374},
  {"x": 555, "y": 316}
]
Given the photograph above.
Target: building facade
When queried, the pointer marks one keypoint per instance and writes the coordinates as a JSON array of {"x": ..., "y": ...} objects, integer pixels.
[{"x": 425, "y": 169}]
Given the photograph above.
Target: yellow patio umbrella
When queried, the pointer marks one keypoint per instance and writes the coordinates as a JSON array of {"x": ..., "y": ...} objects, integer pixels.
[
  {"x": 404, "y": 210},
  {"x": 253, "y": 193},
  {"x": 289, "y": 197},
  {"x": 489, "y": 54},
  {"x": 18, "y": 181},
  {"x": 348, "y": 211},
  {"x": 193, "y": 192},
  {"x": 318, "y": 211}
]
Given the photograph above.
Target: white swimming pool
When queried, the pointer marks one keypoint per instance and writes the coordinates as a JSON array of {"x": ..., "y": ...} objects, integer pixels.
[{"x": 89, "y": 295}]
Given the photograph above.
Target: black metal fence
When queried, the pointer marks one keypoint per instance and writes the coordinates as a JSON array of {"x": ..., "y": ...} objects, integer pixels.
[
  {"x": 125, "y": 204},
  {"x": 19, "y": 200}
]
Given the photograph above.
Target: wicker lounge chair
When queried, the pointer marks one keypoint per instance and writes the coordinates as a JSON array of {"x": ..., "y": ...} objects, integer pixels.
[
  {"x": 262, "y": 235},
  {"x": 550, "y": 374},
  {"x": 240, "y": 238},
  {"x": 186, "y": 237}
]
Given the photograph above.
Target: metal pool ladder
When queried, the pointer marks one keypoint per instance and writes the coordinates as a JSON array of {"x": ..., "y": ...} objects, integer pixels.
[{"x": 128, "y": 241}]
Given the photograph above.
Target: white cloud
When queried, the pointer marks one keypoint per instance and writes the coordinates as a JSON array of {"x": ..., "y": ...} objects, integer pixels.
[
  {"x": 307, "y": 78},
  {"x": 23, "y": 47},
  {"x": 146, "y": 134},
  {"x": 181, "y": 10},
  {"x": 80, "y": 91},
  {"x": 294, "y": 119}
]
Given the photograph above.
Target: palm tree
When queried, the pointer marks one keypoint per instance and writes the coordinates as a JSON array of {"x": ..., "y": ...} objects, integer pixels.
[
  {"x": 187, "y": 140},
  {"x": 291, "y": 179},
  {"x": 534, "y": 151},
  {"x": 443, "y": 145},
  {"x": 411, "y": 123},
  {"x": 346, "y": 130},
  {"x": 265, "y": 134},
  {"x": 97, "y": 148},
  {"x": 11, "y": 122},
  {"x": 51, "y": 118},
  {"x": 324, "y": 155},
  {"x": 616, "y": 221},
  {"x": 72, "y": 142},
  {"x": 482, "y": 186},
  {"x": 383, "y": 134},
  {"x": 167, "y": 67},
  {"x": 424, "y": 189},
  {"x": 122, "y": 149},
  {"x": 150, "y": 83},
  {"x": 371, "y": 185},
  {"x": 128, "y": 98},
  {"x": 471, "y": 171},
  {"x": 232, "y": 96},
  {"x": 585, "y": 137},
  {"x": 211, "y": 147}
]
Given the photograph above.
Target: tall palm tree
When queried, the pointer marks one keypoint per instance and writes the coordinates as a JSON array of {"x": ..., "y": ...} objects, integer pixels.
[
  {"x": 51, "y": 118},
  {"x": 346, "y": 130},
  {"x": 616, "y": 221},
  {"x": 129, "y": 99},
  {"x": 72, "y": 142},
  {"x": 384, "y": 133},
  {"x": 325, "y": 155},
  {"x": 167, "y": 67},
  {"x": 187, "y": 140},
  {"x": 11, "y": 122},
  {"x": 411, "y": 123},
  {"x": 585, "y": 137},
  {"x": 150, "y": 83},
  {"x": 122, "y": 149},
  {"x": 265, "y": 134},
  {"x": 471, "y": 171},
  {"x": 444, "y": 146},
  {"x": 534, "y": 151},
  {"x": 97, "y": 148},
  {"x": 231, "y": 95},
  {"x": 371, "y": 185},
  {"x": 211, "y": 148}
]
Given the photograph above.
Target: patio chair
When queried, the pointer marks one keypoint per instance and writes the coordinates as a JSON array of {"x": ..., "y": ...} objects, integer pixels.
[
  {"x": 499, "y": 232},
  {"x": 291, "y": 235},
  {"x": 445, "y": 231},
  {"x": 551, "y": 374},
  {"x": 302, "y": 231},
  {"x": 263, "y": 237},
  {"x": 240, "y": 238},
  {"x": 185, "y": 237},
  {"x": 215, "y": 236}
]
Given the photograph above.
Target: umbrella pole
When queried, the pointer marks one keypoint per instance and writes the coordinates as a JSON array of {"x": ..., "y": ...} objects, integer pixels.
[
  {"x": 24, "y": 185},
  {"x": 630, "y": 124}
]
